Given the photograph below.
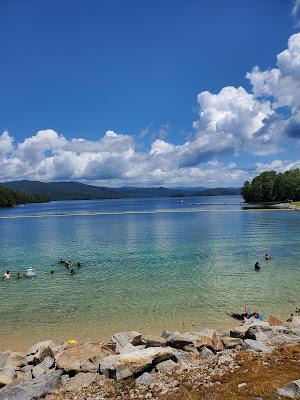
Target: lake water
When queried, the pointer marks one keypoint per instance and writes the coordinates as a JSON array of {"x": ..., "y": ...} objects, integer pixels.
[{"x": 147, "y": 264}]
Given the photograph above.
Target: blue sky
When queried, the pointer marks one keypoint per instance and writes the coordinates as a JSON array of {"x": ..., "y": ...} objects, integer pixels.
[{"x": 71, "y": 71}]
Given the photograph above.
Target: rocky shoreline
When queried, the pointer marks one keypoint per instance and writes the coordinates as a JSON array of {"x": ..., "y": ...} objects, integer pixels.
[
  {"x": 286, "y": 206},
  {"x": 148, "y": 367}
]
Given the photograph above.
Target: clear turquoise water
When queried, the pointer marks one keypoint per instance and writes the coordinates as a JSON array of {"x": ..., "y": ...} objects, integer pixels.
[{"x": 143, "y": 271}]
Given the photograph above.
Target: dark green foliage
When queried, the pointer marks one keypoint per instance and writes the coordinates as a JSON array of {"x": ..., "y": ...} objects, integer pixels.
[
  {"x": 272, "y": 187},
  {"x": 9, "y": 198}
]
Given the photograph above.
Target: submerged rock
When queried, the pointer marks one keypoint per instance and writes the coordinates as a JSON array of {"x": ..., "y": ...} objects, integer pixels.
[
  {"x": 292, "y": 390},
  {"x": 33, "y": 388},
  {"x": 83, "y": 357},
  {"x": 129, "y": 364}
]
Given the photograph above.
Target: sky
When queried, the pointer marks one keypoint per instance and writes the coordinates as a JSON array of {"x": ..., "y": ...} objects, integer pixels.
[{"x": 149, "y": 93}]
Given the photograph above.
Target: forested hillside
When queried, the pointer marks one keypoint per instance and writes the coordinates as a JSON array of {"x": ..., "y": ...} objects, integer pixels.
[{"x": 9, "y": 198}]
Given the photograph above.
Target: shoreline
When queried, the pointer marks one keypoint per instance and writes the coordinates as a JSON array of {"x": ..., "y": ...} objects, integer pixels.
[{"x": 132, "y": 364}]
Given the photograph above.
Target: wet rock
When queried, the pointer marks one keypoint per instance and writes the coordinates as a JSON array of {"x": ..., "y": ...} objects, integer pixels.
[
  {"x": 230, "y": 342},
  {"x": 43, "y": 367},
  {"x": 165, "y": 366},
  {"x": 205, "y": 352},
  {"x": 35, "y": 348},
  {"x": 33, "y": 388},
  {"x": 154, "y": 341},
  {"x": 83, "y": 357},
  {"x": 292, "y": 390},
  {"x": 82, "y": 380},
  {"x": 122, "y": 339},
  {"x": 144, "y": 380},
  {"x": 129, "y": 364},
  {"x": 257, "y": 345}
]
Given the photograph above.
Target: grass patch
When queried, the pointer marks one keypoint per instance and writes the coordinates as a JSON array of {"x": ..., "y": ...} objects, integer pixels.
[{"x": 296, "y": 203}]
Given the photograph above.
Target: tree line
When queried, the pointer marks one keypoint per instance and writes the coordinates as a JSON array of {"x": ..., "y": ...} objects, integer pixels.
[
  {"x": 10, "y": 198},
  {"x": 270, "y": 186}
]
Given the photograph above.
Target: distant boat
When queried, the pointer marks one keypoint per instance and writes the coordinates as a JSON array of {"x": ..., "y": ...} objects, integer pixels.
[{"x": 30, "y": 272}]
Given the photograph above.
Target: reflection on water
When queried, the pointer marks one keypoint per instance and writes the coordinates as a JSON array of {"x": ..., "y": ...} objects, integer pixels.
[{"x": 143, "y": 271}]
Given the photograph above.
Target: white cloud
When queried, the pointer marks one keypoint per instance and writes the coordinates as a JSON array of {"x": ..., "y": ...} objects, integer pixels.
[{"x": 232, "y": 121}]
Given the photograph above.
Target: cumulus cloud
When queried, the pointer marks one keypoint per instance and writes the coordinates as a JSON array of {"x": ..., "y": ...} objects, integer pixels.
[{"x": 232, "y": 122}]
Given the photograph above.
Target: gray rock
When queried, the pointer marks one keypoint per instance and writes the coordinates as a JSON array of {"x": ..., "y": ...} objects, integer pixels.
[
  {"x": 42, "y": 353},
  {"x": 166, "y": 366},
  {"x": 225, "y": 359},
  {"x": 129, "y": 347},
  {"x": 6, "y": 376},
  {"x": 33, "y": 388},
  {"x": 83, "y": 357},
  {"x": 65, "y": 378},
  {"x": 43, "y": 367},
  {"x": 12, "y": 360},
  {"x": 30, "y": 359},
  {"x": 122, "y": 339},
  {"x": 165, "y": 334},
  {"x": 292, "y": 390},
  {"x": 239, "y": 331},
  {"x": 23, "y": 376},
  {"x": 154, "y": 341},
  {"x": 82, "y": 380},
  {"x": 181, "y": 356},
  {"x": 231, "y": 342},
  {"x": 144, "y": 380},
  {"x": 205, "y": 352},
  {"x": 257, "y": 345},
  {"x": 179, "y": 340},
  {"x": 296, "y": 321},
  {"x": 27, "y": 368},
  {"x": 35, "y": 348},
  {"x": 128, "y": 364}
]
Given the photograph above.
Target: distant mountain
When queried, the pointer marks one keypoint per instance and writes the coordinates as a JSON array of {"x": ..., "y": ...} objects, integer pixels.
[{"x": 80, "y": 191}]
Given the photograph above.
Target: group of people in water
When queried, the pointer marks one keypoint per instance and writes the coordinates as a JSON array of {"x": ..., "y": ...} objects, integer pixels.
[
  {"x": 257, "y": 265},
  {"x": 68, "y": 264}
]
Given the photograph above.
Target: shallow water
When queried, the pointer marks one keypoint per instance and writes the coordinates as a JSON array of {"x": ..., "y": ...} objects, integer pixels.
[{"x": 143, "y": 271}]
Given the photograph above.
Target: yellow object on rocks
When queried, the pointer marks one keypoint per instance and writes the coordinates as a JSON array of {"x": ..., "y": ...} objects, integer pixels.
[{"x": 72, "y": 341}]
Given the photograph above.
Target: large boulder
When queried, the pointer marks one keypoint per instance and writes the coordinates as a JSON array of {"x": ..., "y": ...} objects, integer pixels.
[
  {"x": 239, "y": 331},
  {"x": 179, "y": 340},
  {"x": 83, "y": 357},
  {"x": 130, "y": 364},
  {"x": 154, "y": 341},
  {"x": 43, "y": 367},
  {"x": 292, "y": 390},
  {"x": 6, "y": 376},
  {"x": 12, "y": 360},
  {"x": 33, "y": 388},
  {"x": 208, "y": 338},
  {"x": 123, "y": 339},
  {"x": 35, "y": 348}
]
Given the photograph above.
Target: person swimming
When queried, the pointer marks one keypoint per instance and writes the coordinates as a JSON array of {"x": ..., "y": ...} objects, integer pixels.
[
  {"x": 6, "y": 275},
  {"x": 257, "y": 266},
  {"x": 78, "y": 264},
  {"x": 72, "y": 272},
  {"x": 268, "y": 257}
]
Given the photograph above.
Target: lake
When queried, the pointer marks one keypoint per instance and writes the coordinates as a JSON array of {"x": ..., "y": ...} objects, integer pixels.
[{"x": 147, "y": 264}]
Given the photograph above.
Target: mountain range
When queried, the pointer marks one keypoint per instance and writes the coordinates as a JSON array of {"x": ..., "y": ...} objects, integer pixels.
[{"x": 80, "y": 191}]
